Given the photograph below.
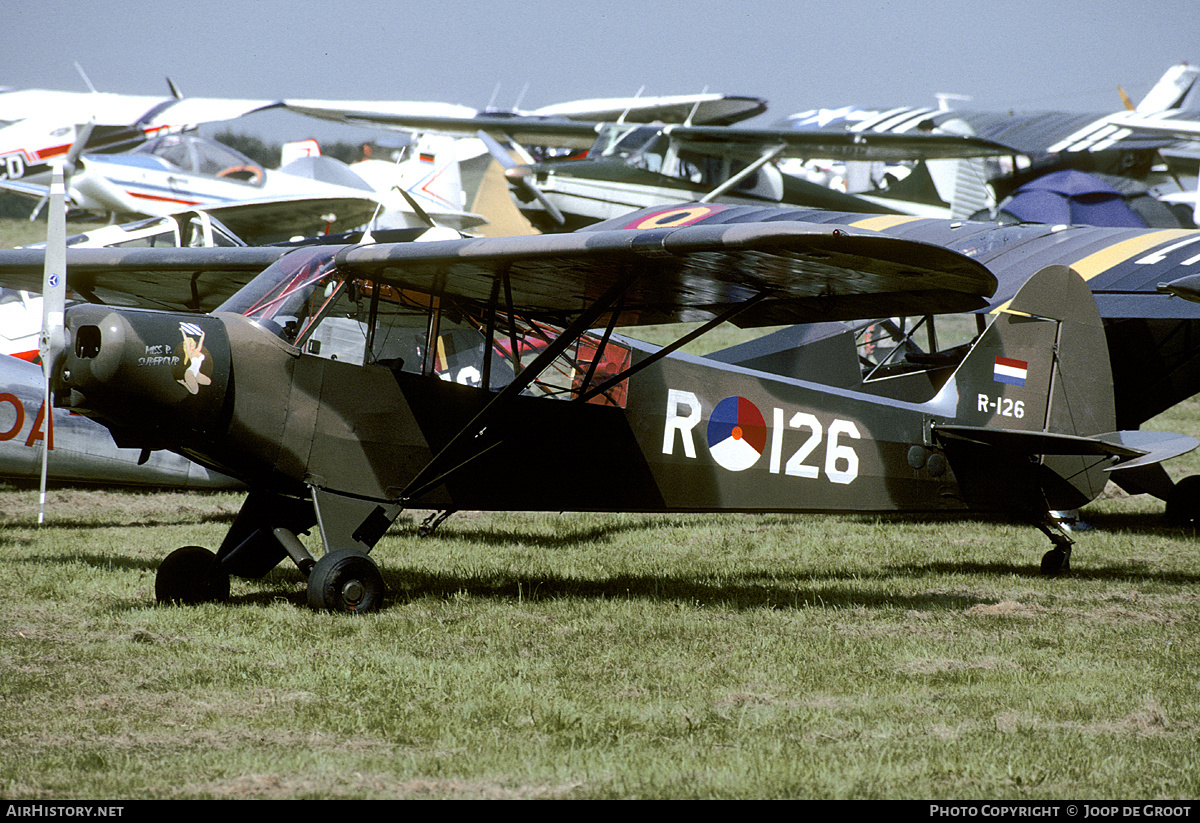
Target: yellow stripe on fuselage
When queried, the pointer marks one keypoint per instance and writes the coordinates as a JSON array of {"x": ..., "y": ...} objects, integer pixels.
[{"x": 1101, "y": 261}]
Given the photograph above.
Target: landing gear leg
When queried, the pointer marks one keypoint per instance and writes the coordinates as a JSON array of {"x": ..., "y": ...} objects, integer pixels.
[
  {"x": 430, "y": 523},
  {"x": 1058, "y": 559}
]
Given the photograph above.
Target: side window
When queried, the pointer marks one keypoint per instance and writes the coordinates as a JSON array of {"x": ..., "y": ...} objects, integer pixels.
[{"x": 361, "y": 322}]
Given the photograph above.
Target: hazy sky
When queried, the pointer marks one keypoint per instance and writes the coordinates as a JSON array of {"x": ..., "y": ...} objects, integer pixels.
[{"x": 1022, "y": 54}]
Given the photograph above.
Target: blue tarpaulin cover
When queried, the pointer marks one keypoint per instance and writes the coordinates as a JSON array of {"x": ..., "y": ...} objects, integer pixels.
[{"x": 1072, "y": 197}]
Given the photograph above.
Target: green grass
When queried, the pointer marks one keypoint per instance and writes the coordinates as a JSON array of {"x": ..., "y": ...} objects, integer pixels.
[
  {"x": 608, "y": 656},
  {"x": 20, "y": 231},
  {"x": 605, "y": 656}
]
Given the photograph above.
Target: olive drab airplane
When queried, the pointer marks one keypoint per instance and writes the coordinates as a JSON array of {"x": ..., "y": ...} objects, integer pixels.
[
  {"x": 630, "y": 164},
  {"x": 346, "y": 384}
]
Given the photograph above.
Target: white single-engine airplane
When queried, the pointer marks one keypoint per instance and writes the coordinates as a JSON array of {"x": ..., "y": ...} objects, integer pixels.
[
  {"x": 176, "y": 172},
  {"x": 41, "y": 125}
]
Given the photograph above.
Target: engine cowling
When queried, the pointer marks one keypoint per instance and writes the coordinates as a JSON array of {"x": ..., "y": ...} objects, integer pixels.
[{"x": 153, "y": 378}]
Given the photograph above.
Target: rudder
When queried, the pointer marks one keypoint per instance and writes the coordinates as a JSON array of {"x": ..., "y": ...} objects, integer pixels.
[{"x": 1042, "y": 368}]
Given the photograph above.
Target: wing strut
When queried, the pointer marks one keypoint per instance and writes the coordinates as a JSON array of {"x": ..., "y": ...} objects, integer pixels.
[
  {"x": 437, "y": 469},
  {"x": 728, "y": 314},
  {"x": 767, "y": 157}
]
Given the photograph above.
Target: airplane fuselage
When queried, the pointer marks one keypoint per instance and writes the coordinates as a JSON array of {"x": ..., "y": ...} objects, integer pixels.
[{"x": 684, "y": 434}]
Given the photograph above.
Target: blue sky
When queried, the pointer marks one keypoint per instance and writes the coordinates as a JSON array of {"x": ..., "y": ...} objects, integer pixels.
[{"x": 1020, "y": 54}]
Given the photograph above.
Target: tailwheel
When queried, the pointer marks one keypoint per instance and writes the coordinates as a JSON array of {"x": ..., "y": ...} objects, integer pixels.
[
  {"x": 345, "y": 580},
  {"x": 1058, "y": 559},
  {"x": 430, "y": 523},
  {"x": 190, "y": 575},
  {"x": 1183, "y": 502}
]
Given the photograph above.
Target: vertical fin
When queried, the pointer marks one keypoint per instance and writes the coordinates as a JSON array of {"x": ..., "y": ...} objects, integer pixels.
[
  {"x": 1046, "y": 351},
  {"x": 1042, "y": 366}
]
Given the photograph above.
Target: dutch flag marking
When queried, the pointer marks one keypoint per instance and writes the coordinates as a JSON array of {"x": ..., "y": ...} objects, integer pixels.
[{"x": 1010, "y": 371}]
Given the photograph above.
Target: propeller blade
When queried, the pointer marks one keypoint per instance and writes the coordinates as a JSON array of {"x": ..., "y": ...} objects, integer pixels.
[
  {"x": 416, "y": 207},
  {"x": 52, "y": 342},
  {"x": 520, "y": 175},
  {"x": 82, "y": 135},
  {"x": 497, "y": 151}
]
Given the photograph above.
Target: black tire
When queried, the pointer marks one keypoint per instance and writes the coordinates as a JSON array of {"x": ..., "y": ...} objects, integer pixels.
[
  {"x": 1183, "y": 503},
  {"x": 345, "y": 580},
  {"x": 1056, "y": 561},
  {"x": 189, "y": 576}
]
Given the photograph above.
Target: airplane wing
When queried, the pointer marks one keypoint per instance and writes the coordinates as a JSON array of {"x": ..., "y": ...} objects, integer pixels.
[
  {"x": 579, "y": 134},
  {"x": 123, "y": 109},
  {"x": 187, "y": 279},
  {"x": 782, "y": 272},
  {"x": 881, "y": 146},
  {"x": 193, "y": 111},
  {"x": 444, "y": 119},
  {"x": 1031, "y": 133},
  {"x": 259, "y": 221},
  {"x": 706, "y": 109}
]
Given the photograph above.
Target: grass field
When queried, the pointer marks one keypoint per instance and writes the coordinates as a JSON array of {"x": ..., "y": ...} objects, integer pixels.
[
  {"x": 605, "y": 656},
  {"x": 608, "y": 656}
]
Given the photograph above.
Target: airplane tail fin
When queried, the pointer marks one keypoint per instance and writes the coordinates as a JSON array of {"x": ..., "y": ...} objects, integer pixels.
[
  {"x": 297, "y": 149},
  {"x": 1035, "y": 393},
  {"x": 431, "y": 174},
  {"x": 1170, "y": 91}
]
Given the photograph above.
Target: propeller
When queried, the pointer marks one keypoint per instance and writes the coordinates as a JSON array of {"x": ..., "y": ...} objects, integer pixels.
[
  {"x": 520, "y": 176},
  {"x": 70, "y": 163},
  {"x": 52, "y": 343}
]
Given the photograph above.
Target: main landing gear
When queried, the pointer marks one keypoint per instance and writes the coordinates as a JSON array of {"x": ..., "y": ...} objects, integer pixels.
[
  {"x": 346, "y": 580},
  {"x": 1183, "y": 503},
  {"x": 189, "y": 576},
  {"x": 264, "y": 534}
]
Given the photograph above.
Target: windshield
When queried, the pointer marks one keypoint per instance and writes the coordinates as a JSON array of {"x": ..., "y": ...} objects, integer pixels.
[
  {"x": 196, "y": 155},
  {"x": 289, "y": 292},
  {"x": 642, "y": 146}
]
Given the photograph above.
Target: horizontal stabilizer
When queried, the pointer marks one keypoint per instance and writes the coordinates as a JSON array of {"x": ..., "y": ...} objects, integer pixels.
[
  {"x": 1156, "y": 447},
  {"x": 1132, "y": 448}
]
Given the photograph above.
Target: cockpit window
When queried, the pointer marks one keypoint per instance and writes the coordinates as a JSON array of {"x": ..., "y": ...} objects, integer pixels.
[
  {"x": 289, "y": 292},
  {"x": 641, "y": 146},
  {"x": 196, "y": 155},
  {"x": 305, "y": 301}
]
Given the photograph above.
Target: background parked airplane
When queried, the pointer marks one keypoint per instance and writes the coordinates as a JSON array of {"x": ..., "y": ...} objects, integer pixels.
[
  {"x": 80, "y": 451},
  {"x": 40, "y": 125},
  {"x": 629, "y": 166},
  {"x": 1102, "y": 144}
]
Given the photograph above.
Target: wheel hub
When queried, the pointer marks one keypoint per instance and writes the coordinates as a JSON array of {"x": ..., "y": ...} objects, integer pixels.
[{"x": 352, "y": 592}]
